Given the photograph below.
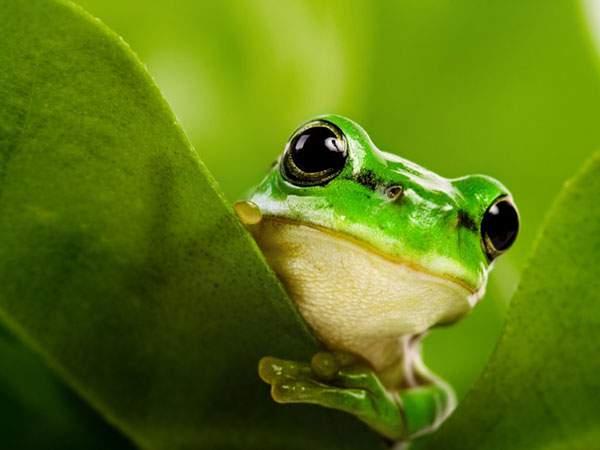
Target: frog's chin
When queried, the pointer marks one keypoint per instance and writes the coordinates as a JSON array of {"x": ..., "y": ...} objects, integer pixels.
[{"x": 353, "y": 298}]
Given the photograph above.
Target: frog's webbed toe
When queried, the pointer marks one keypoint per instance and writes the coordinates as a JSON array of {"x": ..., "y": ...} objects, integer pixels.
[{"x": 274, "y": 370}]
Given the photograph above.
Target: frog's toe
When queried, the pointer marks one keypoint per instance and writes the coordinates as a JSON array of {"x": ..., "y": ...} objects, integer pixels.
[
  {"x": 362, "y": 377},
  {"x": 310, "y": 391},
  {"x": 294, "y": 391},
  {"x": 327, "y": 365},
  {"x": 346, "y": 371},
  {"x": 272, "y": 369}
]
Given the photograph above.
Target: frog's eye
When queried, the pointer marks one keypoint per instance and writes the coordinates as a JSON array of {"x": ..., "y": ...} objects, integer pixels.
[
  {"x": 315, "y": 155},
  {"x": 499, "y": 227}
]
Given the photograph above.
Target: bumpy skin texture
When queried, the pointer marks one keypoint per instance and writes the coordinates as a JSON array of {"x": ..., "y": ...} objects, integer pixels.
[
  {"x": 436, "y": 226},
  {"x": 410, "y": 216}
]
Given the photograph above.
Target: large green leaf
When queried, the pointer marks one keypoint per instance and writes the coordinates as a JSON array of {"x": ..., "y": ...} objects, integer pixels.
[
  {"x": 119, "y": 261},
  {"x": 540, "y": 389}
]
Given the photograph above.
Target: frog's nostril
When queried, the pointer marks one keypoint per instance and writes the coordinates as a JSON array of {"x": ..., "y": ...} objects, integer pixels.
[{"x": 394, "y": 192}]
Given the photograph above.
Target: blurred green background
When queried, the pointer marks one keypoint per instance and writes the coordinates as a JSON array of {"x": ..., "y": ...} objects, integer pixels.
[{"x": 505, "y": 88}]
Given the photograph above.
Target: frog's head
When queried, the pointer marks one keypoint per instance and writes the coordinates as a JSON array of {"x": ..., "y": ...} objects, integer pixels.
[{"x": 374, "y": 224}]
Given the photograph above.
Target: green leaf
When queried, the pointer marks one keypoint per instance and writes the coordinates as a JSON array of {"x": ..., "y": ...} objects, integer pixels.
[
  {"x": 38, "y": 412},
  {"x": 540, "y": 389},
  {"x": 120, "y": 262}
]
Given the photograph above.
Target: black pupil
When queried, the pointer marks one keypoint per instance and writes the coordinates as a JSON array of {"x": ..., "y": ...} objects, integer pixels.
[
  {"x": 316, "y": 150},
  {"x": 501, "y": 224}
]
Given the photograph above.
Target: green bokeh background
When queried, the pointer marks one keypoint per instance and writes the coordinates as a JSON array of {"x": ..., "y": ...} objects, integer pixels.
[{"x": 509, "y": 89}]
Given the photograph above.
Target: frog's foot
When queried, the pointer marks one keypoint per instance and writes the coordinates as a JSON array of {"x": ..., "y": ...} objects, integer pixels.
[{"x": 338, "y": 381}]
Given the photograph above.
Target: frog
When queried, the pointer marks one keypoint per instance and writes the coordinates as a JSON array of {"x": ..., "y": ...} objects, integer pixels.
[{"x": 374, "y": 251}]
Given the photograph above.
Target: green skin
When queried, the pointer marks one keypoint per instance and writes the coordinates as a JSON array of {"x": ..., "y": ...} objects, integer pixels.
[{"x": 436, "y": 228}]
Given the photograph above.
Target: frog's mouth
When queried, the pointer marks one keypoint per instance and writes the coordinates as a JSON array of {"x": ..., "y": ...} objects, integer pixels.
[
  {"x": 475, "y": 291},
  {"x": 352, "y": 296}
]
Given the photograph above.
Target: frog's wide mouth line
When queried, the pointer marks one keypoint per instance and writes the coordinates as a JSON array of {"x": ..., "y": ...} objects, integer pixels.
[{"x": 474, "y": 291}]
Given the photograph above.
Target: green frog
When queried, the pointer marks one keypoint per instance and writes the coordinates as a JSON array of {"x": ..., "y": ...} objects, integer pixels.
[{"x": 374, "y": 250}]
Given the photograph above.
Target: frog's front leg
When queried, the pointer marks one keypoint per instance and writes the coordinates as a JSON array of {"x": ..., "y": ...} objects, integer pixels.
[{"x": 337, "y": 381}]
